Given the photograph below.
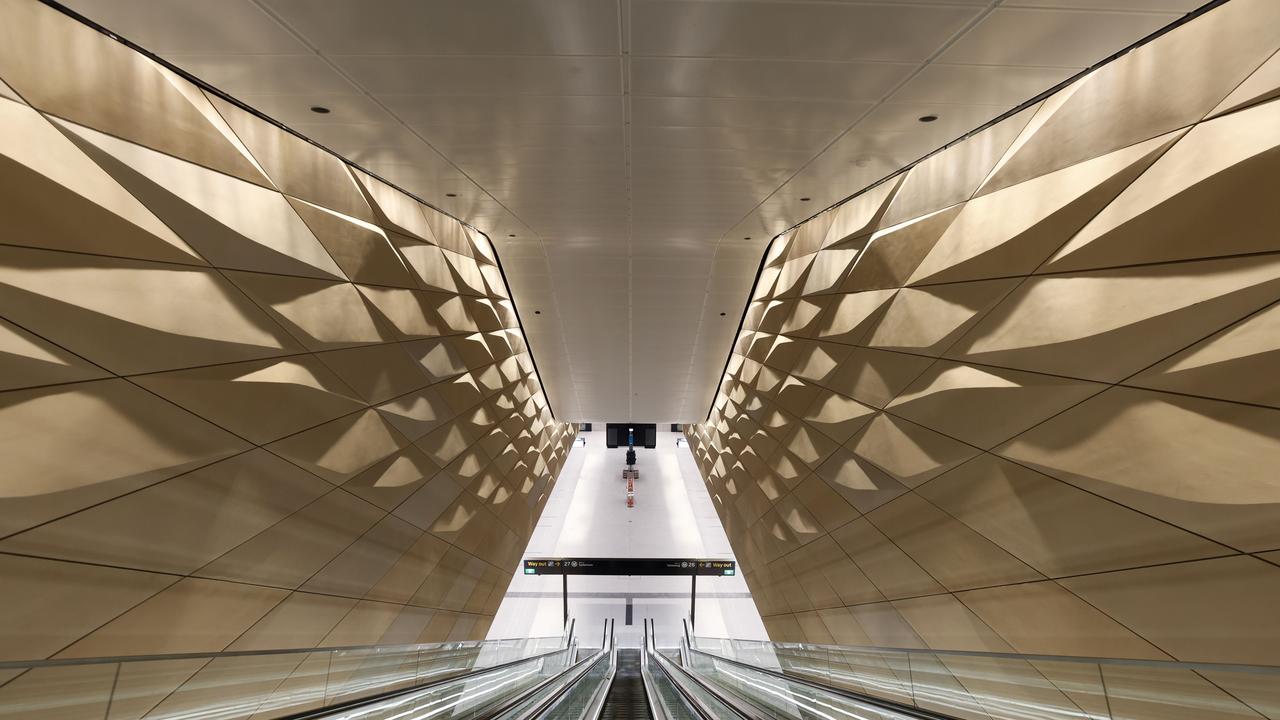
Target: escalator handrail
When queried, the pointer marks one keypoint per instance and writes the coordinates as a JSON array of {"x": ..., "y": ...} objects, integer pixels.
[
  {"x": 568, "y": 634},
  {"x": 581, "y": 667},
  {"x": 656, "y": 708},
  {"x": 608, "y": 646},
  {"x": 370, "y": 699},
  {"x": 695, "y": 702},
  {"x": 597, "y": 702},
  {"x": 164, "y": 657},
  {"x": 910, "y": 710},
  {"x": 1026, "y": 657}
]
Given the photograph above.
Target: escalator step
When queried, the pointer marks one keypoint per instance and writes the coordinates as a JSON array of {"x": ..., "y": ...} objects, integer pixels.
[{"x": 626, "y": 699}]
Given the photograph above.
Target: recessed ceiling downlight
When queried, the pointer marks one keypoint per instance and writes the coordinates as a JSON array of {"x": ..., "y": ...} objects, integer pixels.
[
  {"x": 320, "y": 110},
  {"x": 927, "y": 118}
]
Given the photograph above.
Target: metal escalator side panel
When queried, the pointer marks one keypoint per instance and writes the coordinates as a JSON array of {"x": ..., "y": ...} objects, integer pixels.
[
  {"x": 783, "y": 695},
  {"x": 706, "y": 701},
  {"x": 365, "y": 707},
  {"x": 548, "y": 698},
  {"x": 580, "y": 698},
  {"x": 666, "y": 700}
]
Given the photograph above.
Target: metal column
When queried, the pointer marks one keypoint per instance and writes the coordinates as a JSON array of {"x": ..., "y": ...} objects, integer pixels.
[{"x": 693, "y": 600}]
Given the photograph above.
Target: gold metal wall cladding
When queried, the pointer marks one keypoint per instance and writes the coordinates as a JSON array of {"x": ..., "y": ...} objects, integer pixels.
[
  {"x": 1023, "y": 397},
  {"x": 250, "y": 396}
]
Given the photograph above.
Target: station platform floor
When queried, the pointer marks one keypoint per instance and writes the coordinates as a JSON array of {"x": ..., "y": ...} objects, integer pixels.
[{"x": 587, "y": 516}]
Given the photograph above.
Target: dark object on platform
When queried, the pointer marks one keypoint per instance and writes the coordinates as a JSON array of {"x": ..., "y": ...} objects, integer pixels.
[
  {"x": 631, "y": 457},
  {"x": 642, "y": 434}
]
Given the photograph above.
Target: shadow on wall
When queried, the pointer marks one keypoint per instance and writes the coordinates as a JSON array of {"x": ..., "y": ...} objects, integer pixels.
[
  {"x": 252, "y": 397},
  {"x": 1022, "y": 397}
]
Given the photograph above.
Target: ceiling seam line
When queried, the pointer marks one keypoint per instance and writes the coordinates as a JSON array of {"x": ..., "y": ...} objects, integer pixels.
[{"x": 624, "y": 57}]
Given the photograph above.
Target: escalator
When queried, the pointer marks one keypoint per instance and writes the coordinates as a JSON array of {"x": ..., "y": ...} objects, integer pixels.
[
  {"x": 706, "y": 679},
  {"x": 553, "y": 678},
  {"x": 626, "y": 699},
  {"x": 623, "y": 684},
  {"x": 714, "y": 688},
  {"x": 449, "y": 679},
  {"x": 610, "y": 683},
  {"x": 674, "y": 694},
  {"x": 804, "y": 681}
]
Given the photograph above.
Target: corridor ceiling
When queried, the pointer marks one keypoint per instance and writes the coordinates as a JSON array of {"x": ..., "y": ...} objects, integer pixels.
[{"x": 631, "y": 158}]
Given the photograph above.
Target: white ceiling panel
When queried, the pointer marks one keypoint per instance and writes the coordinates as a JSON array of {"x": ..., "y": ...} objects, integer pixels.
[
  {"x": 753, "y": 78},
  {"x": 898, "y": 117},
  {"x": 744, "y": 112},
  {"x": 1058, "y": 38},
  {"x": 454, "y": 27},
  {"x": 744, "y": 139},
  {"x": 227, "y": 27},
  {"x": 271, "y": 74},
  {"x": 482, "y": 74},
  {"x": 498, "y": 110},
  {"x": 979, "y": 84},
  {"x": 630, "y": 159},
  {"x": 1173, "y": 6},
  {"x": 352, "y": 109},
  {"x": 830, "y": 31},
  {"x": 505, "y": 135}
]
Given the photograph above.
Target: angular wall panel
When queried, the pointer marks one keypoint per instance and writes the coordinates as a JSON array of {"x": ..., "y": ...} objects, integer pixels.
[
  {"x": 172, "y": 528},
  {"x": 233, "y": 224},
  {"x": 72, "y": 71},
  {"x": 1165, "y": 85},
  {"x": 1013, "y": 231},
  {"x": 1044, "y": 375},
  {"x": 67, "y": 447},
  {"x": 56, "y": 197},
  {"x": 120, "y": 314},
  {"x": 27, "y": 360},
  {"x": 212, "y": 437}
]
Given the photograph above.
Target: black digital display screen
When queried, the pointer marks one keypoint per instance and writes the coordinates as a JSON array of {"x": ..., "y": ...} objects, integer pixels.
[{"x": 629, "y": 566}]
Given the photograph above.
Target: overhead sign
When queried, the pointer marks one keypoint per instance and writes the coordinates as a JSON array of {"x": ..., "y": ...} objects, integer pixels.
[{"x": 629, "y": 566}]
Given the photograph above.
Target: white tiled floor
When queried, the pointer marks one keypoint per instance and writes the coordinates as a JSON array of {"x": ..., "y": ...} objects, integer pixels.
[{"x": 587, "y": 516}]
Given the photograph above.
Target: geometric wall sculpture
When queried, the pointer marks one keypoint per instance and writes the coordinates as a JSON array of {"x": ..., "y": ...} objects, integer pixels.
[
  {"x": 250, "y": 396},
  {"x": 1025, "y": 395}
]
